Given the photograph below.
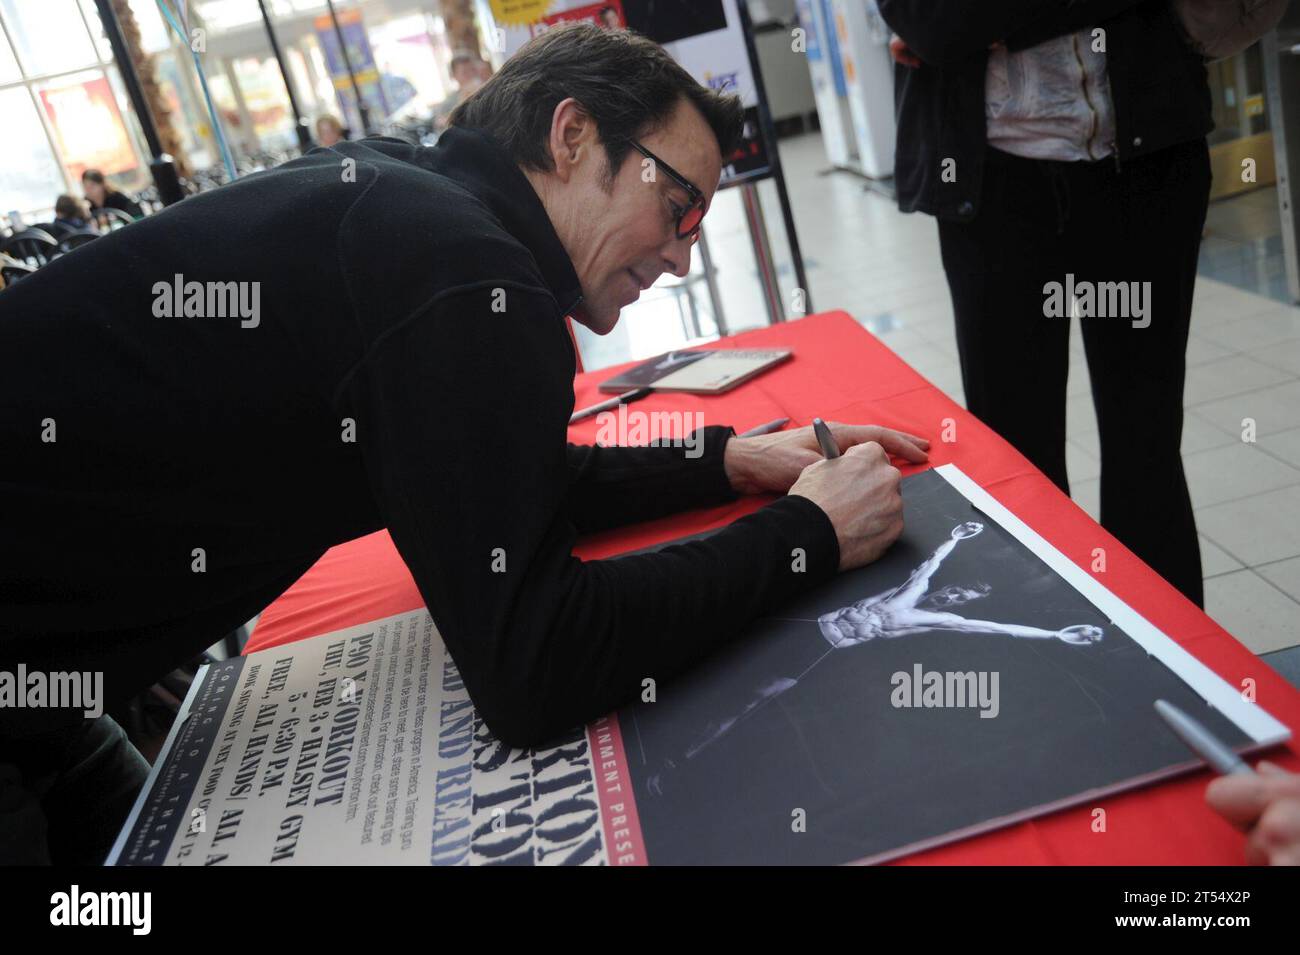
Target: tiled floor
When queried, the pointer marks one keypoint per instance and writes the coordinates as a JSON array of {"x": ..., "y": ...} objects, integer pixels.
[
  {"x": 1243, "y": 243},
  {"x": 883, "y": 267}
]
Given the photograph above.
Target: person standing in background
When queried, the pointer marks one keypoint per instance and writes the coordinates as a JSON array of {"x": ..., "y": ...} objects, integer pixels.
[
  {"x": 101, "y": 194},
  {"x": 329, "y": 131},
  {"x": 1062, "y": 148},
  {"x": 468, "y": 72}
]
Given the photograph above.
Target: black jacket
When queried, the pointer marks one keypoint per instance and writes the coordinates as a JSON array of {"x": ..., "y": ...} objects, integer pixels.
[
  {"x": 122, "y": 203},
  {"x": 1159, "y": 85},
  {"x": 379, "y": 265}
]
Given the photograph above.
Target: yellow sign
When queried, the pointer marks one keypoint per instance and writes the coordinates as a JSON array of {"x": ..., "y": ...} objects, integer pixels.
[
  {"x": 518, "y": 13},
  {"x": 344, "y": 82}
]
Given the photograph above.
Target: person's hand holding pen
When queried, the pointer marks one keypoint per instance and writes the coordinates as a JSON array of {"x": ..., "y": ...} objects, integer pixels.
[
  {"x": 1263, "y": 802},
  {"x": 773, "y": 462},
  {"x": 858, "y": 491},
  {"x": 1266, "y": 806}
]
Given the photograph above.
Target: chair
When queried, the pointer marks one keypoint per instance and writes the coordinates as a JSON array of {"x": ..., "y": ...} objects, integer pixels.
[
  {"x": 57, "y": 230},
  {"x": 33, "y": 246},
  {"x": 11, "y": 271},
  {"x": 75, "y": 240},
  {"x": 111, "y": 219},
  {"x": 148, "y": 200}
]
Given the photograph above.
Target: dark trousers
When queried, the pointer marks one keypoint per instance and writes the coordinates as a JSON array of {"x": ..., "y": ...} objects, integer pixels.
[
  {"x": 64, "y": 795},
  {"x": 1038, "y": 222}
]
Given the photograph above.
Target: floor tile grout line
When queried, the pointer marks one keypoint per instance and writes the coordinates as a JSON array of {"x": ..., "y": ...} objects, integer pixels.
[
  {"x": 1242, "y": 394},
  {"x": 1274, "y": 586},
  {"x": 1270, "y": 563},
  {"x": 1262, "y": 449},
  {"x": 1245, "y": 565},
  {"x": 1244, "y": 497}
]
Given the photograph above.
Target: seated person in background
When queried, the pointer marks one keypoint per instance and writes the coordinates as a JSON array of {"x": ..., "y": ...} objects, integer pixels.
[
  {"x": 70, "y": 213},
  {"x": 101, "y": 194},
  {"x": 329, "y": 130}
]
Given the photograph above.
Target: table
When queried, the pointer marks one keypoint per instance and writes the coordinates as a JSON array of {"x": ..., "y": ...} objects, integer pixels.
[{"x": 840, "y": 372}]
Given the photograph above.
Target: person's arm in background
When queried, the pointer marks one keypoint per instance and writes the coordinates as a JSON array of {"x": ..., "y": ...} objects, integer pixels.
[
  {"x": 476, "y": 497},
  {"x": 945, "y": 33},
  {"x": 1265, "y": 806}
]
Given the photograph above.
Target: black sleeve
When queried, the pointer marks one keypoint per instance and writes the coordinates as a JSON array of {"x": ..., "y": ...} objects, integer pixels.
[
  {"x": 945, "y": 33},
  {"x": 610, "y": 487},
  {"x": 474, "y": 487}
]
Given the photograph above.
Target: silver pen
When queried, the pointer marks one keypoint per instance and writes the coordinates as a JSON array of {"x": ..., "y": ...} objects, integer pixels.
[
  {"x": 1201, "y": 741},
  {"x": 774, "y": 425},
  {"x": 609, "y": 404},
  {"x": 830, "y": 449}
]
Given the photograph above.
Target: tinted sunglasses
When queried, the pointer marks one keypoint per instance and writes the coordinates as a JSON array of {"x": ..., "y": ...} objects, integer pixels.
[{"x": 690, "y": 217}]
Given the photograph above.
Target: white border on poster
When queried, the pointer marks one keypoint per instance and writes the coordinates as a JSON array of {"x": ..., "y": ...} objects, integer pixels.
[
  {"x": 160, "y": 761},
  {"x": 1250, "y": 718}
]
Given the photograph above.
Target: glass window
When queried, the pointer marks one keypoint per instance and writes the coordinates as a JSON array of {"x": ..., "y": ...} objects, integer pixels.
[
  {"x": 29, "y": 178},
  {"x": 49, "y": 36},
  {"x": 153, "y": 29},
  {"x": 286, "y": 8},
  {"x": 87, "y": 123},
  {"x": 223, "y": 15},
  {"x": 136, "y": 177},
  {"x": 267, "y": 103},
  {"x": 232, "y": 121},
  {"x": 414, "y": 82},
  {"x": 186, "y": 117},
  {"x": 8, "y": 65},
  {"x": 102, "y": 45}
]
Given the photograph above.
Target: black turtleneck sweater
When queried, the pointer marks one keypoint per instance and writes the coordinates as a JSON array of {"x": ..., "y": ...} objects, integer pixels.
[{"x": 162, "y": 479}]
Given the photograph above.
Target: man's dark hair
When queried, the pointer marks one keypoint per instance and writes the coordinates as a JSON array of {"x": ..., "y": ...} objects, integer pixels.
[{"x": 629, "y": 85}]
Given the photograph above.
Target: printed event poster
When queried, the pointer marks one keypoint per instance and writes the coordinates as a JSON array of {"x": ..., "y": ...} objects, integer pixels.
[
  {"x": 88, "y": 125},
  {"x": 971, "y": 678},
  {"x": 360, "y": 56},
  {"x": 704, "y": 36}
]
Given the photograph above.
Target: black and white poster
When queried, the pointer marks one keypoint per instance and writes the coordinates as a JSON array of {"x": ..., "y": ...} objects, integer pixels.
[
  {"x": 970, "y": 678},
  {"x": 955, "y": 683}
]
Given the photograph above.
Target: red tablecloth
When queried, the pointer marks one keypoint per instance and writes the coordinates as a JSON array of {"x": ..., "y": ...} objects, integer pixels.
[{"x": 842, "y": 373}]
